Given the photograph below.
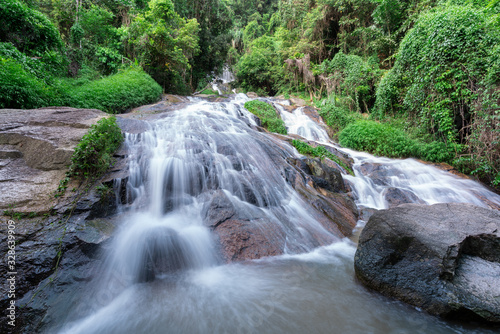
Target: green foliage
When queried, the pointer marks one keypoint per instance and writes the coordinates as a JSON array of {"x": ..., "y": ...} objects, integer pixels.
[
  {"x": 214, "y": 19},
  {"x": 28, "y": 29},
  {"x": 440, "y": 63},
  {"x": 93, "y": 154},
  {"x": 338, "y": 117},
  {"x": 116, "y": 93},
  {"x": 386, "y": 140},
  {"x": 260, "y": 68},
  {"x": 21, "y": 89},
  {"x": 163, "y": 43},
  {"x": 445, "y": 80},
  {"x": 377, "y": 138},
  {"x": 268, "y": 116},
  {"x": 320, "y": 152},
  {"x": 350, "y": 76}
]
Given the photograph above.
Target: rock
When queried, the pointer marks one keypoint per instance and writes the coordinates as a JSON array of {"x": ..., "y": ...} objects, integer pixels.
[
  {"x": 443, "y": 258},
  {"x": 324, "y": 175},
  {"x": 35, "y": 151},
  {"x": 397, "y": 196},
  {"x": 243, "y": 231},
  {"x": 298, "y": 102},
  {"x": 161, "y": 253},
  {"x": 42, "y": 244},
  {"x": 252, "y": 95}
]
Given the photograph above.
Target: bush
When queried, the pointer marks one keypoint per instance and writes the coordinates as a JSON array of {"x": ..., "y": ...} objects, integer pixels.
[
  {"x": 377, "y": 138},
  {"x": 116, "y": 93},
  {"x": 437, "y": 76},
  {"x": 21, "y": 89},
  {"x": 386, "y": 140},
  {"x": 337, "y": 117},
  {"x": 28, "y": 29},
  {"x": 351, "y": 76},
  {"x": 260, "y": 69},
  {"x": 268, "y": 116},
  {"x": 93, "y": 154}
]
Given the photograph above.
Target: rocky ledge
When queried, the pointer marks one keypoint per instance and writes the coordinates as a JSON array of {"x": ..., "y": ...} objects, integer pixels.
[
  {"x": 35, "y": 151},
  {"x": 443, "y": 258}
]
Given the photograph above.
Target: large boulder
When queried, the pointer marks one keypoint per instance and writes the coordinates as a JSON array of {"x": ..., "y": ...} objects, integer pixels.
[
  {"x": 443, "y": 258},
  {"x": 35, "y": 151}
]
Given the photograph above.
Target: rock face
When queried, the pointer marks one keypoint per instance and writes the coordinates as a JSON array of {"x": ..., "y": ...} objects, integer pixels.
[
  {"x": 35, "y": 151},
  {"x": 443, "y": 258}
]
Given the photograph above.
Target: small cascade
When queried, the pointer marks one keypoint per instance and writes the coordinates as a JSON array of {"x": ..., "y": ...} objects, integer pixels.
[
  {"x": 382, "y": 182},
  {"x": 297, "y": 122},
  {"x": 221, "y": 83},
  {"x": 379, "y": 182}
]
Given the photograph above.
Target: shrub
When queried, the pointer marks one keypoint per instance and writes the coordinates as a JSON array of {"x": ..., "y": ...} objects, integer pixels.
[
  {"x": 21, "y": 89},
  {"x": 116, "y": 93},
  {"x": 386, "y": 140},
  {"x": 268, "y": 116},
  {"x": 337, "y": 117},
  {"x": 93, "y": 154},
  {"x": 437, "y": 76},
  {"x": 28, "y": 29},
  {"x": 377, "y": 138},
  {"x": 260, "y": 68}
]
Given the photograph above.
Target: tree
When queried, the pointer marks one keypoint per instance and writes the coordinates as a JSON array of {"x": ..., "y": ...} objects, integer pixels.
[{"x": 164, "y": 44}]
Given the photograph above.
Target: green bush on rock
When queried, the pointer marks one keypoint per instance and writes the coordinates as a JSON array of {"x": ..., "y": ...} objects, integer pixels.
[
  {"x": 268, "y": 116},
  {"x": 93, "y": 154}
]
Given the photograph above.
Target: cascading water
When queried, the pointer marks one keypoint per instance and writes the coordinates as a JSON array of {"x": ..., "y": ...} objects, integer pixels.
[
  {"x": 375, "y": 176},
  {"x": 162, "y": 274}
]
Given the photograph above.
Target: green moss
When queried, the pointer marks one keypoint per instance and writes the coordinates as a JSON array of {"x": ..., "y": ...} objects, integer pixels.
[{"x": 268, "y": 116}]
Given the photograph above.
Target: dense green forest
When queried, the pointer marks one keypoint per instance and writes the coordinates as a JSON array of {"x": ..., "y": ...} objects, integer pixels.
[{"x": 416, "y": 78}]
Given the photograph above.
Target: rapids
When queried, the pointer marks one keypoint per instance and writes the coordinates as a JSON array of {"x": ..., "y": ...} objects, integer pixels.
[{"x": 162, "y": 274}]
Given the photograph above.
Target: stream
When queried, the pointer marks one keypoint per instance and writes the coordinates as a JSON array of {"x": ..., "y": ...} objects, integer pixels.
[{"x": 161, "y": 274}]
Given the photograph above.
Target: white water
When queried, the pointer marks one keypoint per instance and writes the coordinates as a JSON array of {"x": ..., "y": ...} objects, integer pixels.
[
  {"x": 430, "y": 184},
  {"x": 175, "y": 168}
]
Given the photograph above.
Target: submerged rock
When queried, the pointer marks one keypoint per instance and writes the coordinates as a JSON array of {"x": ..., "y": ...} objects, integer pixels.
[{"x": 443, "y": 258}]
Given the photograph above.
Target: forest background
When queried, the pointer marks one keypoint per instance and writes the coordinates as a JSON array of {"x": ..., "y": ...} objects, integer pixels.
[{"x": 415, "y": 78}]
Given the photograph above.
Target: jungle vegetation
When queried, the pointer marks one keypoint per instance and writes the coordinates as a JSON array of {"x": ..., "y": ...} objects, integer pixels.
[{"x": 415, "y": 78}]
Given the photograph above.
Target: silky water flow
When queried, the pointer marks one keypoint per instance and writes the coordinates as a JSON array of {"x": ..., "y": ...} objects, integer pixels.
[{"x": 162, "y": 273}]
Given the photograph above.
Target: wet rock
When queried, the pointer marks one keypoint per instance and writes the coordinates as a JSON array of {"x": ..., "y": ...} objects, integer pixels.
[
  {"x": 397, "y": 196},
  {"x": 163, "y": 253},
  {"x": 379, "y": 173},
  {"x": 443, "y": 258},
  {"x": 323, "y": 175},
  {"x": 298, "y": 102},
  {"x": 44, "y": 244},
  {"x": 243, "y": 232}
]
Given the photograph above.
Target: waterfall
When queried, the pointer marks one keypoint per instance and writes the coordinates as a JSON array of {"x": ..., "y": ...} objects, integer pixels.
[{"x": 162, "y": 272}]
